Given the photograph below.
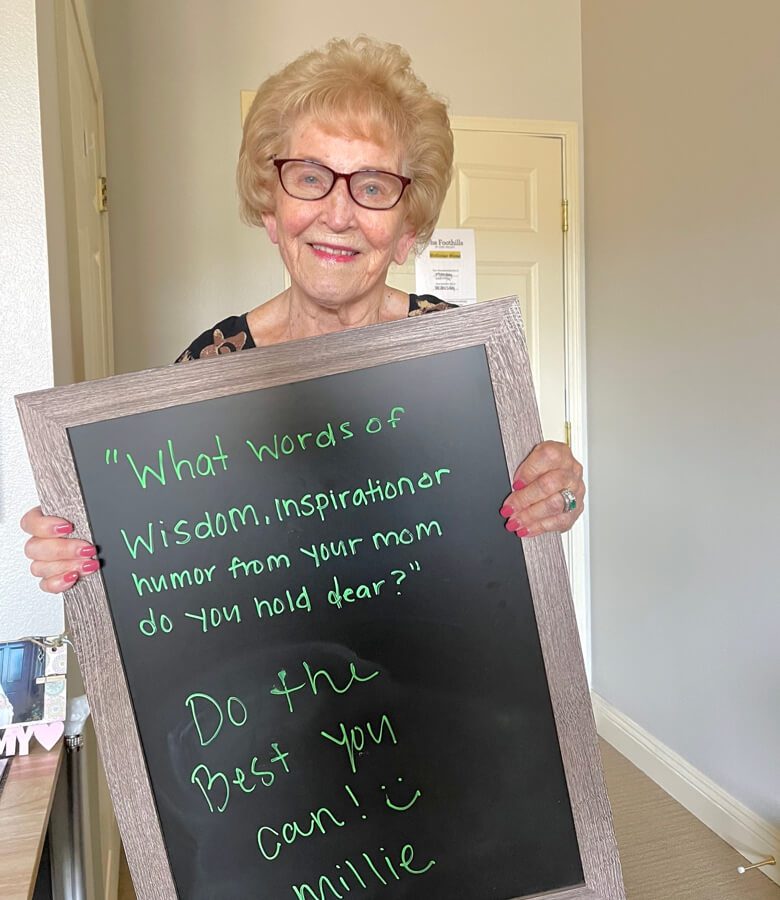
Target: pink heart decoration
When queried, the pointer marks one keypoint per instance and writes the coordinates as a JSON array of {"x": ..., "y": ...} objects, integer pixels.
[{"x": 48, "y": 733}]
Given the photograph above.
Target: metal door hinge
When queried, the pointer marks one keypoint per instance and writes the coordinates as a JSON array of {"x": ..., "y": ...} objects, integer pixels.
[
  {"x": 565, "y": 215},
  {"x": 102, "y": 194},
  {"x": 567, "y": 433}
]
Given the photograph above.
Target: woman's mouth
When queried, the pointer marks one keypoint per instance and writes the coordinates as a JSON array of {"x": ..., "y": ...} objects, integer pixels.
[{"x": 331, "y": 252}]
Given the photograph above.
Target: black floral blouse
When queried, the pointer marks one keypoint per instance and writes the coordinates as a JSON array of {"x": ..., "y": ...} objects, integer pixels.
[{"x": 232, "y": 334}]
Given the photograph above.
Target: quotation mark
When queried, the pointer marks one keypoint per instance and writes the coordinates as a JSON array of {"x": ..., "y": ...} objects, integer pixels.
[
  {"x": 111, "y": 453},
  {"x": 400, "y": 575}
]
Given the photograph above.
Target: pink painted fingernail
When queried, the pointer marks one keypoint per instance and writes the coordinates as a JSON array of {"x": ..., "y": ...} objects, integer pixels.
[
  {"x": 70, "y": 576},
  {"x": 506, "y": 510},
  {"x": 91, "y": 565},
  {"x": 89, "y": 550},
  {"x": 518, "y": 485},
  {"x": 63, "y": 529},
  {"x": 511, "y": 525},
  {"x": 522, "y": 532}
]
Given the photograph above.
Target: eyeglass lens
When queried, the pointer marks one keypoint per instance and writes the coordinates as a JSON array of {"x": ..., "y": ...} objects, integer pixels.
[{"x": 311, "y": 181}]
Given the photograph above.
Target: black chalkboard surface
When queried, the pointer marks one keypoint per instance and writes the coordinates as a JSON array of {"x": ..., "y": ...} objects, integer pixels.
[{"x": 329, "y": 640}]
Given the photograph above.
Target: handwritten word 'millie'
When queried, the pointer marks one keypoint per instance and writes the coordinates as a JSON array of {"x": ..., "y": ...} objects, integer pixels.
[{"x": 371, "y": 870}]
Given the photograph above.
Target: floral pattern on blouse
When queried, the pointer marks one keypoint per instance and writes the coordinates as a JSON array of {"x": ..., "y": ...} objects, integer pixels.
[
  {"x": 233, "y": 334},
  {"x": 224, "y": 344}
]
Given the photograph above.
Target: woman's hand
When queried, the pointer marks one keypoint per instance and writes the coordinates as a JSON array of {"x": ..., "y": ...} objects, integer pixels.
[
  {"x": 536, "y": 503},
  {"x": 58, "y": 563}
]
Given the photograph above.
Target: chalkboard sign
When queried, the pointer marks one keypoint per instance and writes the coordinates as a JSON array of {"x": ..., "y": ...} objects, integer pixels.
[{"x": 319, "y": 664}]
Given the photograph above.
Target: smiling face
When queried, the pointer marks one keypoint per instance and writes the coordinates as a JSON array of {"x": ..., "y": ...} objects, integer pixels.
[{"x": 336, "y": 251}]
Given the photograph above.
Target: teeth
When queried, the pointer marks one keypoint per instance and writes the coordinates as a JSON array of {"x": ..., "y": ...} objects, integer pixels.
[{"x": 333, "y": 251}]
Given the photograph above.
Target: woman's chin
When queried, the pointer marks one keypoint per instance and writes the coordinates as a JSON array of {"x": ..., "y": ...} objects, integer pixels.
[{"x": 333, "y": 294}]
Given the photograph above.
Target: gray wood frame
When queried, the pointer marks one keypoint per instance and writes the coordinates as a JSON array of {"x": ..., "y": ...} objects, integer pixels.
[{"x": 46, "y": 416}]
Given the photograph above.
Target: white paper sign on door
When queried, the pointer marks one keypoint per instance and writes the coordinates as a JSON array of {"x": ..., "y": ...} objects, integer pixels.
[{"x": 447, "y": 267}]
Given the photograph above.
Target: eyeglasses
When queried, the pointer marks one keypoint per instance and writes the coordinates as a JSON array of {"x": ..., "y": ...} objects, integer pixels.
[{"x": 369, "y": 188}]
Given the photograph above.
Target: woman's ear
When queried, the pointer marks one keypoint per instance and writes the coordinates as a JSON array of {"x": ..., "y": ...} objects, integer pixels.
[
  {"x": 269, "y": 220},
  {"x": 404, "y": 244}
]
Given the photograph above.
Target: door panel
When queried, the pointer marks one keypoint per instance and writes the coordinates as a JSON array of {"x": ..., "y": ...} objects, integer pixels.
[
  {"x": 87, "y": 226},
  {"x": 508, "y": 187}
]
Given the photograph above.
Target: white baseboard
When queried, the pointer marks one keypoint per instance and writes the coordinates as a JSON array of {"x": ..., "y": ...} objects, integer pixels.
[{"x": 746, "y": 832}]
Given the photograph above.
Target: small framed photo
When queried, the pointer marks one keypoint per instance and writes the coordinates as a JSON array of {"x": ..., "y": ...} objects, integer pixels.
[{"x": 32, "y": 681}]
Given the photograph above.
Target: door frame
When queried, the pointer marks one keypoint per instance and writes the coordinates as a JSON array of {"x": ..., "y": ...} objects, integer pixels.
[
  {"x": 577, "y": 540},
  {"x": 102, "y": 875}
]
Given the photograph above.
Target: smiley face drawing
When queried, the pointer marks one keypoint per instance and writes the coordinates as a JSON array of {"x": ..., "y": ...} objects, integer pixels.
[{"x": 403, "y": 808}]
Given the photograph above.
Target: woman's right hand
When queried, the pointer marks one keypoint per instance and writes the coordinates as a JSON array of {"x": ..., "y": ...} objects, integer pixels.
[{"x": 58, "y": 563}]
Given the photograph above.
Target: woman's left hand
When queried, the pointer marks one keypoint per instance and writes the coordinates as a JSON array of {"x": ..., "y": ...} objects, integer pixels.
[{"x": 536, "y": 503}]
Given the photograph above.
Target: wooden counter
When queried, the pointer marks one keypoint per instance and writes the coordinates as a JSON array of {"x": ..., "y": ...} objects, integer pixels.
[{"x": 25, "y": 804}]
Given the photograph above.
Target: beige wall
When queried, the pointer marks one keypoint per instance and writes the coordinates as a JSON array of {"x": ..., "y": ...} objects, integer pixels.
[
  {"x": 682, "y": 225},
  {"x": 171, "y": 76},
  {"x": 25, "y": 354}
]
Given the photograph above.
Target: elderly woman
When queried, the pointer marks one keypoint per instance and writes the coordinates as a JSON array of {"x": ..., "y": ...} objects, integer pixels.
[{"x": 345, "y": 161}]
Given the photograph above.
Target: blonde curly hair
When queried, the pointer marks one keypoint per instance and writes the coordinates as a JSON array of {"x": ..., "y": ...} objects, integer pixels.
[{"x": 364, "y": 88}]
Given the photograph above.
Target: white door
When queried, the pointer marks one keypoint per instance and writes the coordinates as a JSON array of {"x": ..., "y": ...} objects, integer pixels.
[
  {"x": 81, "y": 110},
  {"x": 508, "y": 187}
]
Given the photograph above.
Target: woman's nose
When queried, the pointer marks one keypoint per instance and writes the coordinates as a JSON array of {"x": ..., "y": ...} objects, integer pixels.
[{"x": 338, "y": 208}]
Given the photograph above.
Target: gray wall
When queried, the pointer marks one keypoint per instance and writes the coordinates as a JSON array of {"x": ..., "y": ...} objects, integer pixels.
[
  {"x": 682, "y": 181},
  {"x": 172, "y": 73}
]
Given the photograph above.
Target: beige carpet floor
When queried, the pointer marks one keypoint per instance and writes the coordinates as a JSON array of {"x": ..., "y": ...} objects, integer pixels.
[{"x": 666, "y": 853}]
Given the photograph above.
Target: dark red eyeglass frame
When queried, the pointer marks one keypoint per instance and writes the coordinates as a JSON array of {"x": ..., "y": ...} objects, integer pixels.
[{"x": 347, "y": 176}]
